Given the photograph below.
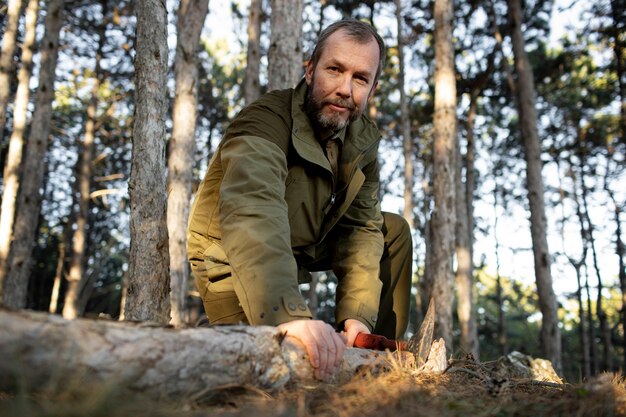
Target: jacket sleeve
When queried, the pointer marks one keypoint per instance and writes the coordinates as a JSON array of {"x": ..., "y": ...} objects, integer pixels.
[
  {"x": 358, "y": 250},
  {"x": 255, "y": 231}
]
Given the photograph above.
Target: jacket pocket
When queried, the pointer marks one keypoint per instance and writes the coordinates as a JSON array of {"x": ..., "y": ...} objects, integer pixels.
[{"x": 218, "y": 269}]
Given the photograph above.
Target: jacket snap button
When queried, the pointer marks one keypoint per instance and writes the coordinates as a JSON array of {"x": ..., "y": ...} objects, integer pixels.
[
  {"x": 302, "y": 307},
  {"x": 374, "y": 319},
  {"x": 275, "y": 308},
  {"x": 262, "y": 315},
  {"x": 291, "y": 306}
]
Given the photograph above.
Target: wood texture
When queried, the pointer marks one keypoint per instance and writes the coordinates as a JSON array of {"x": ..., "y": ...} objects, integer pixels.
[
  {"x": 147, "y": 296},
  {"x": 46, "y": 352}
]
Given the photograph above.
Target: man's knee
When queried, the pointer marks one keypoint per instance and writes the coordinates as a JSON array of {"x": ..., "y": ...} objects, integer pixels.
[{"x": 396, "y": 227}]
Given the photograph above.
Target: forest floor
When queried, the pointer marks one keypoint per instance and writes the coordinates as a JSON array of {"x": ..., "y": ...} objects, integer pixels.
[{"x": 397, "y": 392}]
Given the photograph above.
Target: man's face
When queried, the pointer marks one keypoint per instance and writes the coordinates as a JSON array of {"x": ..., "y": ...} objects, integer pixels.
[{"x": 341, "y": 82}]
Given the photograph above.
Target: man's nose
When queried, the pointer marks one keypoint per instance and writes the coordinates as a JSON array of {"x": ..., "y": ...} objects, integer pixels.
[{"x": 344, "y": 87}]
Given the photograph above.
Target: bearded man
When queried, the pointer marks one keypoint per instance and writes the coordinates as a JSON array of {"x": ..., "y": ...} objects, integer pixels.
[{"x": 294, "y": 188}]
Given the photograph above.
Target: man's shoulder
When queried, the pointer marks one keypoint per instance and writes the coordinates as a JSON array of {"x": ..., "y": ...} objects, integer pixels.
[
  {"x": 275, "y": 100},
  {"x": 269, "y": 117}
]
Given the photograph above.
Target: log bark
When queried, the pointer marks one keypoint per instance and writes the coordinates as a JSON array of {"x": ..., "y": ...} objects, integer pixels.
[{"x": 46, "y": 352}]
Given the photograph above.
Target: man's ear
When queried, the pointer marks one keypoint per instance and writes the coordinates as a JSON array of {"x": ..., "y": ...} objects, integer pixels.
[{"x": 308, "y": 74}]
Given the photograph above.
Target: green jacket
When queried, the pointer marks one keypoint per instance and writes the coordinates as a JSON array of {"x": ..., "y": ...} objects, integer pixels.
[{"x": 267, "y": 201}]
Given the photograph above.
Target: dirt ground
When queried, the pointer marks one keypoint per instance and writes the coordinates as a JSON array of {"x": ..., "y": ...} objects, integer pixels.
[{"x": 460, "y": 391}]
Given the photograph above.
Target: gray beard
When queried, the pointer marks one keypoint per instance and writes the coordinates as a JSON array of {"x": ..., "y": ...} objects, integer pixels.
[{"x": 321, "y": 121}]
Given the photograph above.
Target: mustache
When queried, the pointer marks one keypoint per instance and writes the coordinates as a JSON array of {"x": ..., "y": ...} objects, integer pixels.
[{"x": 341, "y": 103}]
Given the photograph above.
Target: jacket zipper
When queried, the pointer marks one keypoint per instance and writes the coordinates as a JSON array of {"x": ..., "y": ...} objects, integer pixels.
[{"x": 333, "y": 196}]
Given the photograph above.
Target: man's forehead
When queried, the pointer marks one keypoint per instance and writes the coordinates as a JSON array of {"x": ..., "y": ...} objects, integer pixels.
[{"x": 342, "y": 41}]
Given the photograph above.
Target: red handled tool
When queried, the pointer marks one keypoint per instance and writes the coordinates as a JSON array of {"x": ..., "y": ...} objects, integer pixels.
[{"x": 419, "y": 344}]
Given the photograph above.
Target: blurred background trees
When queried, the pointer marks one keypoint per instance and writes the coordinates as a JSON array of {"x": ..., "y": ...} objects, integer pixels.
[{"x": 71, "y": 119}]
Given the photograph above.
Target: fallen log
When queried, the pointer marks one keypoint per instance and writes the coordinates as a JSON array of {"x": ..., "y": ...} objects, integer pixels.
[{"x": 43, "y": 352}]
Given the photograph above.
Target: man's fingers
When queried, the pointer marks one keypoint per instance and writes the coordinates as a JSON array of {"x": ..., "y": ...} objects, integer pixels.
[
  {"x": 340, "y": 346},
  {"x": 324, "y": 346},
  {"x": 324, "y": 352}
]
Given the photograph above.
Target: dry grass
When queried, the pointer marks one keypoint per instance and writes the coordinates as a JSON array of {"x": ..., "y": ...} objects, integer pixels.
[{"x": 463, "y": 390}]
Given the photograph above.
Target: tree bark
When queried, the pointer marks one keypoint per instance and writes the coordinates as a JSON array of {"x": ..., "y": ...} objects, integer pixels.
[
  {"x": 502, "y": 337},
  {"x": 149, "y": 283},
  {"x": 285, "y": 52},
  {"x": 619, "y": 251},
  {"x": 607, "y": 360},
  {"x": 583, "y": 335},
  {"x": 444, "y": 157},
  {"x": 252, "y": 87},
  {"x": 550, "y": 333},
  {"x": 82, "y": 356},
  {"x": 466, "y": 310},
  {"x": 76, "y": 277},
  {"x": 618, "y": 8},
  {"x": 29, "y": 196},
  {"x": 189, "y": 23},
  {"x": 6, "y": 60},
  {"x": 582, "y": 328},
  {"x": 13, "y": 294},
  {"x": 405, "y": 123},
  {"x": 593, "y": 358}
]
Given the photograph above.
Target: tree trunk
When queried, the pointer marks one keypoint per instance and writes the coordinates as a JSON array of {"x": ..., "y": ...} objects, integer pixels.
[
  {"x": 76, "y": 277},
  {"x": 607, "y": 360},
  {"x": 444, "y": 158},
  {"x": 405, "y": 123},
  {"x": 56, "y": 285},
  {"x": 285, "y": 52},
  {"x": 502, "y": 338},
  {"x": 550, "y": 333},
  {"x": 466, "y": 309},
  {"x": 582, "y": 328},
  {"x": 13, "y": 294},
  {"x": 28, "y": 196},
  {"x": 189, "y": 23},
  {"x": 252, "y": 87},
  {"x": 593, "y": 355},
  {"x": 583, "y": 335},
  {"x": 593, "y": 361},
  {"x": 618, "y": 8},
  {"x": 85, "y": 356},
  {"x": 619, "y": 251},
  {"x": 149, "y": 283},
  {"x": 6, "y": 61}
]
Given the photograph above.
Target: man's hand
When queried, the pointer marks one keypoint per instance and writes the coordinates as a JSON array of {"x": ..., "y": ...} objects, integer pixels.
[
  {"x": 324, "y": 346},
  {"x": 353, "y": 327}
]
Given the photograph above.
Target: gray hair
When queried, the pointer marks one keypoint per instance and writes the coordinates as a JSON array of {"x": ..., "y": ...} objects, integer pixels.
[{"x": 361, "y": 32}]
